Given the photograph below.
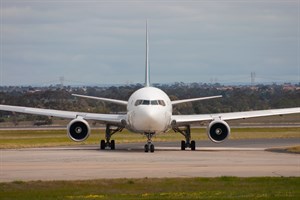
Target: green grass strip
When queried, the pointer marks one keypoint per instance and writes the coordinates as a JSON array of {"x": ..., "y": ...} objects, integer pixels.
[
  {"x": 46, "y": 138},
  {"x": 153, "y": 188}
]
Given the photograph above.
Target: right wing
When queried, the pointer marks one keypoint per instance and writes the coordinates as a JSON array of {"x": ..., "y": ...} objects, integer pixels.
[
  {"x": 105, "y": 118},
  {"x": 187, "y": 119},
  {"x": 194, "y": 99}
]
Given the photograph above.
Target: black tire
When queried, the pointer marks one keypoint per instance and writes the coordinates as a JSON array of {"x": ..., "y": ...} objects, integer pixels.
[
  {"x": 146, "y": 148},
  {"x": 151, "y": 148},
  {"x": 182, "y": 145},
  {"x": 112, "y": 145},
  {"x": 102, "y": 144},
  {"x": 193, "y": 145}
]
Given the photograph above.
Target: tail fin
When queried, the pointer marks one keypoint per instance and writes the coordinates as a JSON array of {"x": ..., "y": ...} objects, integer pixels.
[{"x": 147, "y": 75}]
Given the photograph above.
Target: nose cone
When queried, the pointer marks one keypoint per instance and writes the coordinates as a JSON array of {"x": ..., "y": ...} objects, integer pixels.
[{"x": 150, "y": 120}]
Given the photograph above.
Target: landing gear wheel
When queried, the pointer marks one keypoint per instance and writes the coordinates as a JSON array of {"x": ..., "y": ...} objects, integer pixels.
[
  {"x": 151, "y": 148},
  {"x": 182, "y": 145},
  {"x": 112, "y": 145},
  {"x": 193, "y": 145},
  {"x": 110, "y": 130},
  {"x": 146, "y": 148},
  {"x": 102, "y": 144},
  {"x": 186, "y": 132}
]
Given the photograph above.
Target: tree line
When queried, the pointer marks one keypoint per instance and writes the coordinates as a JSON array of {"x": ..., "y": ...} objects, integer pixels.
[{"x": 235, "y": 98}]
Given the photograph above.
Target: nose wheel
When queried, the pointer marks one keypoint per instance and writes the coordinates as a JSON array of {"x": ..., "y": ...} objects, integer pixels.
[{"x": 149, "y": 146}]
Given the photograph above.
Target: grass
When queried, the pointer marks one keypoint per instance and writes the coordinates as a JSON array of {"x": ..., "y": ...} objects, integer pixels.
[
  {"x": 46, "y": 138},
  {"x": 295, "y": 149},
  {"x": 292, "y": 149},
  {"x": 166, "y": 188}
]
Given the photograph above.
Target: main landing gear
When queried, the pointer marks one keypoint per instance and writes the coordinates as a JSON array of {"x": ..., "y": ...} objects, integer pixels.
[
  {"x": 186, "y": 132},
  {"x": 149, "y": 146},
  {"x": 110, "y": 130}
]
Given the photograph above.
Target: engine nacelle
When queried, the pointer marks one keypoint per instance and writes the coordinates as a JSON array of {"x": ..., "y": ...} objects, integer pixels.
[
  {"x": 218, "y": 131},
  {"x": 78, "y": 130}
]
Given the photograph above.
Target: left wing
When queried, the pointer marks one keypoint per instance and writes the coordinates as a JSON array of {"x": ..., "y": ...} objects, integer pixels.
[
  {"x": 187, "y": 119},
  {"x": 105, "y": 118},
  {"x": 120, "y": 102}
]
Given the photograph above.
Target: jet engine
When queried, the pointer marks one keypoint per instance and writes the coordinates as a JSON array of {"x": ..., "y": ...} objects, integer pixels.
[
  {"x": 78, "y": 130},
  {"x": 218, "y": 131}
]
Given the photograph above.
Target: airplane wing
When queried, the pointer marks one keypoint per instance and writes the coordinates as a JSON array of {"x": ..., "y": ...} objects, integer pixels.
[
  {"x": 105, "y": 118},
  {"x": 187, "y": 119},
  {"x": 102, "y": 99},
  {"x": 194, "y": 99}
]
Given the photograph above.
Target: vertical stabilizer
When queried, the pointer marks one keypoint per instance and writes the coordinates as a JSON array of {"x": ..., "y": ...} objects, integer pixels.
[{"x": 147, "y": 75}]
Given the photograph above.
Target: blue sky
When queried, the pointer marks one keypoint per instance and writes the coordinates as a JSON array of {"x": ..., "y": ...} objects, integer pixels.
[{"x": 103, "y": 42}]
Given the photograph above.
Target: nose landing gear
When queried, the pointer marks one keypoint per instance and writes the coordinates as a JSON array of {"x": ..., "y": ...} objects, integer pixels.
[{"x": 149, "y": 146}]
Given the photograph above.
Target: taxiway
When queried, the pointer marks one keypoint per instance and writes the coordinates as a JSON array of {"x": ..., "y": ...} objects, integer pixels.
[{"x": 243, "y": 158}]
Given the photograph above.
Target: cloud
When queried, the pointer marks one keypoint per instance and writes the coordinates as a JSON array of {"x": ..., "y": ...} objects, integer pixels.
[{"x": 190, "y": 41}]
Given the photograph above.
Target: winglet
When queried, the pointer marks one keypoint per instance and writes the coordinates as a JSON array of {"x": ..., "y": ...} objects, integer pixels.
[{"x": 147, "y": 76}]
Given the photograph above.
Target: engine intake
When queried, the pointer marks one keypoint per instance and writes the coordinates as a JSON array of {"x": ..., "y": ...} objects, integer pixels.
[
  {"x": 78, "y": 130},
  {"x": 218, "y": 131}
]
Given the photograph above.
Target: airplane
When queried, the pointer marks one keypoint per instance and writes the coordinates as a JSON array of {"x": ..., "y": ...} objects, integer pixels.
[{"x": 149, "y": 111}]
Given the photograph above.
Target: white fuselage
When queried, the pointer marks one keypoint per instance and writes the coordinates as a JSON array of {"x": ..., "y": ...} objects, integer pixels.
[{"x": 149, "y": 110}]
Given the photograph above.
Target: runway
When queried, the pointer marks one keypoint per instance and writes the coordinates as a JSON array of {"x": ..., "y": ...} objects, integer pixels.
[{"x": 243, "y": 158}]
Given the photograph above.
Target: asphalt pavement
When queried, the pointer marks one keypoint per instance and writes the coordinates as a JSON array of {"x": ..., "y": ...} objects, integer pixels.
[{"x": 242, "y": 158}]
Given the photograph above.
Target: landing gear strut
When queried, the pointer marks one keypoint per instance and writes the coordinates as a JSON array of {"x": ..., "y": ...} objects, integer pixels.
[
  {"x": 149, "y": 146},
  {"x": 110, "y": 130},
  {"x": 186, "y": 132}
]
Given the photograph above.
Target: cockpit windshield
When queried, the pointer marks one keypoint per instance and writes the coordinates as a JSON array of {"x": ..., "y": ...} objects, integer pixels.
[{"x": 150, "y": 102}]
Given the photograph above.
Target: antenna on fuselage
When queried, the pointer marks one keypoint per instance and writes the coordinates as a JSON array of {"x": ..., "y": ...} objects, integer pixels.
[{"x": 147, "y": 75}]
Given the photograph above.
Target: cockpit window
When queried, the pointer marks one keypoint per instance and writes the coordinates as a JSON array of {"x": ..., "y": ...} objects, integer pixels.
[
  {"x": 138, "y": 102},
  {"x": 161, "y": 102},
  {"x": 146, "y": 102},
  {"x": 149, "y": 102},
  {"x": 154, "y": 102}
]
